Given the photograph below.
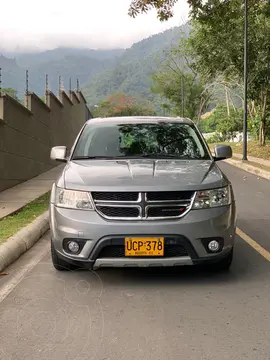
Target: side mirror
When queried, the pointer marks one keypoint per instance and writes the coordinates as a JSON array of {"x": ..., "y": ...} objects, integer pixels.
[
  {"x": 222, "y": 152},
  {"x": 58, "y": 153}
]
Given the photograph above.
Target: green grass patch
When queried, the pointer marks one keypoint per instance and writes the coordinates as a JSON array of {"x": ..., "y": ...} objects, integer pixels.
[
  {"x": 11, "y": 224},
  {"x": 254, "y": 149}
]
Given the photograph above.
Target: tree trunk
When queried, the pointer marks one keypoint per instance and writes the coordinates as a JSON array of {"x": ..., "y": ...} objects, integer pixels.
[
  {"x": 227, "y": 101},
  {"x": 262, "y": 133},
  {"x": 263, "y": 118}
]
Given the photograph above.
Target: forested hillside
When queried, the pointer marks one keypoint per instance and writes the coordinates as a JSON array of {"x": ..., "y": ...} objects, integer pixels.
[
  {"x": 133, "y": 70},
  {"x": 81, "y": 64},
  {"x": 100, "y": 72}
]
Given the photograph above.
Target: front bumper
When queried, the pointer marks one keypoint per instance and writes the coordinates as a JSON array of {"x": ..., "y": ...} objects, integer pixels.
[{"x": 188, "y": 233}]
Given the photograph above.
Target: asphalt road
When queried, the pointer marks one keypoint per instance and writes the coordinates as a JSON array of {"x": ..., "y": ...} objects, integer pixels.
[{"x": 144, "y": 314}]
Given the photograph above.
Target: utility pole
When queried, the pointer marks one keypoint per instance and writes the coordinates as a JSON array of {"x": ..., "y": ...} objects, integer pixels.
[
  {"x": 182, "y": 95},
  {"x": 245, "y": 81}
]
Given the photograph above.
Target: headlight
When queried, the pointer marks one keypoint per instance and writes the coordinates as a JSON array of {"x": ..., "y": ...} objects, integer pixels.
[
  {"x": 212, "y": 198},
  {"x": 73, "y": 199}
]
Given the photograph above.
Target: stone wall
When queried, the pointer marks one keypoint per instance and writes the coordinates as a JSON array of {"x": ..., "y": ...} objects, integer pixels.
[{"x": 27, "y": 133}]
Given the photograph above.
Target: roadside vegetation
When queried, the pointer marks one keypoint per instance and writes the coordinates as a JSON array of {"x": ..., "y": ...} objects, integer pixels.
[
  {"x": 254, "y": 150},
  {"x": 211, "y": 60},
  {"x": 121, "y": 104},
  {"x": 203, "y": 73},
  {"x": 11, "y": 224}
]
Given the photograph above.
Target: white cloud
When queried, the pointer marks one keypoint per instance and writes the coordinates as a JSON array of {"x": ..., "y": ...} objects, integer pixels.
[{"x": 91, "y": 23}]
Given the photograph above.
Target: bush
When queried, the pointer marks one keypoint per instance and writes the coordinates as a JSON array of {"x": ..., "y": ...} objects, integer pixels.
[{"x": 216, "y": 138}]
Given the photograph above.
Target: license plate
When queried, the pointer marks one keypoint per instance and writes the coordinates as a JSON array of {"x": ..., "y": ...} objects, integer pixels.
[{"x": 144, "y": 246}]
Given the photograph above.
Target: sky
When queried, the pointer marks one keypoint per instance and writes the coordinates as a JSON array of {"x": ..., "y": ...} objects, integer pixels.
[{"x": 92, "y": 23}]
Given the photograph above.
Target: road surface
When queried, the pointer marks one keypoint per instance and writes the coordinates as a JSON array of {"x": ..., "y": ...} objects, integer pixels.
[{"x": 146, "y": 314}]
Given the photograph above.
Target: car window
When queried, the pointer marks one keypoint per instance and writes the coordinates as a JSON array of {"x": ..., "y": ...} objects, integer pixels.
[{"x": 153, "y": 139}]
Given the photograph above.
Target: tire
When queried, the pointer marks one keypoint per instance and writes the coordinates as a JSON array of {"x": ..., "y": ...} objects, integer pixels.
[
  {"x": 60, "y": 264},
  {"x": 222, "y": 265}
]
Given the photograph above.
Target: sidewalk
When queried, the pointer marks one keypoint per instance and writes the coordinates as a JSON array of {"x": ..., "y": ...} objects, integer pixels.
[
  {"x": 13, "y": 199},
  {"x": 254, "y": 159}
]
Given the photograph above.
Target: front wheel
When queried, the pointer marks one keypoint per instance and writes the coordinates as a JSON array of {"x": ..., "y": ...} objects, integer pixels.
[
  {"x": 58, "y": 263},
  {"x": 223, "y": 264}
]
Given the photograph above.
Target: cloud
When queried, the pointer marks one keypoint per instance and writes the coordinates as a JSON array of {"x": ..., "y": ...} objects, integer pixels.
[{"x": 91, "y": 23}]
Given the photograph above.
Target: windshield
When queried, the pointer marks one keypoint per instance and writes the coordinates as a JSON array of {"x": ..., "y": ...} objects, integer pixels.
[{"x": 168, "y": 140}]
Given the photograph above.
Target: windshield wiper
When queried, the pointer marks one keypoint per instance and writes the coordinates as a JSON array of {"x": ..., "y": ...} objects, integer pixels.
[
  {"x": 132, "y": 156},
  {"x": 95, "y": 157},
  {"x": 160, "y": 156}
]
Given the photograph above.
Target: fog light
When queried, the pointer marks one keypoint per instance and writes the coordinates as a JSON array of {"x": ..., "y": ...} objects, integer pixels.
[
  {"x": 213, "y": 245},
  {"x": 73, "y": 247}
]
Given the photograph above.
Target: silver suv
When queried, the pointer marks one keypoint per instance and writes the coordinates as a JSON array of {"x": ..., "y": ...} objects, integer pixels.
[{"x": 141, "y": 191}]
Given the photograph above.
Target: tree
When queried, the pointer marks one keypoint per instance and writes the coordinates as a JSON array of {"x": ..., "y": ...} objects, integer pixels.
[
  {"x": 121, "y": 104},
  {"x": 180, "y": 86},
  {"x": 216, "y": 42},
  {"x": 219, "y": 121},
  {"x": 11, "y": 92},
  {"x": 199, "y": 8}
]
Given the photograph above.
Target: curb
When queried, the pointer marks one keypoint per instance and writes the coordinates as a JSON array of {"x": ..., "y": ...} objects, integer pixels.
[
  {"x": 249, "y": 168},
  {"x": 23, "y": 240}
]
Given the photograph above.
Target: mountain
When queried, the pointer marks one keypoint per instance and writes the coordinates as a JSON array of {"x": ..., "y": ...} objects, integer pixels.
[
  {"x": 132, "y": 72},
  {"x": 100, "y": 72},
  {"x": 81, "y": 64},
  {"x": 27, "y": 60},
  {"x": 82, "y": 68},
  {"x": 12, "y": 75}
]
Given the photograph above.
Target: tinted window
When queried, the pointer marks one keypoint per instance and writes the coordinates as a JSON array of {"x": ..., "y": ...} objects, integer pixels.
[{"x": 143, "y": 139}]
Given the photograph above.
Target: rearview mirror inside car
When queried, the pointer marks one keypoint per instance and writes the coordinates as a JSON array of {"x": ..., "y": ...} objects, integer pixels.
[
  {"x": 59, "y": 153},
  {"x": 222, "y": 152}
]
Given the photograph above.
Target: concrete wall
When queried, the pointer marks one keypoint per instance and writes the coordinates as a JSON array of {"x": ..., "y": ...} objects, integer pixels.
[{"x": 27, "y": 134}]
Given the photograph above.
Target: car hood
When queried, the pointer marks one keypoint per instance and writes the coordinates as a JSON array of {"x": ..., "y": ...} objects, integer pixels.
[{"x": 142, "y": 175}]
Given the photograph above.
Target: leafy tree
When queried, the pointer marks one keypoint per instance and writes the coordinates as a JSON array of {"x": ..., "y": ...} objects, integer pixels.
[
  {"x": 11, "y": 92},
  {"x": 222, "y": 122},
  {"x": 121, "y": 104},
  {"x": 164, "y": 8},
  {"x": 199, "y": 9},
  {"x": 217, "y": 44},
  {"x": 180, "y": 86}
]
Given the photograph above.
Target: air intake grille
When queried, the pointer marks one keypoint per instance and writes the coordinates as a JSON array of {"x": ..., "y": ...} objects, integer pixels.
[{"x": 118, "y": 251}]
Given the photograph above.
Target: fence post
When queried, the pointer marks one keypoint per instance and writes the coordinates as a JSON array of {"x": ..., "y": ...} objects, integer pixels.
[
  {"x": 46, "y": 89},
  {"x": 26, "y": 89}
]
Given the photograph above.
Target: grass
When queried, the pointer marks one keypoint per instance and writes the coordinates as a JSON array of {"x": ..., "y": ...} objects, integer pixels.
[
  {"x": 254, "y": 149},
  {"x": 11, "y": 224}
]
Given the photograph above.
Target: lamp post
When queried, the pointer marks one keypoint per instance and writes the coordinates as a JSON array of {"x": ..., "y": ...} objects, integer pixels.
[{"x": 245, "y": 81}]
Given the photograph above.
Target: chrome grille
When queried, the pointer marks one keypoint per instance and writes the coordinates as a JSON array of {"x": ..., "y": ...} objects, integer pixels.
[{"x": 143, "y": 205}]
